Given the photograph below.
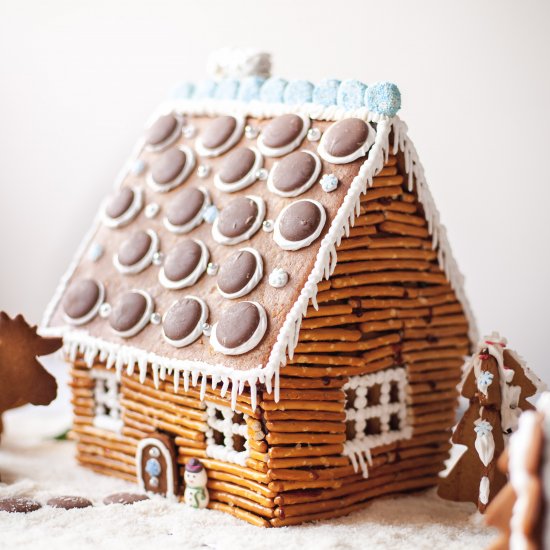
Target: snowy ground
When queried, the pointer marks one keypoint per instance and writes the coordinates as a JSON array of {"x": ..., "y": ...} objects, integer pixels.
[{"x": 32, "y": 464}]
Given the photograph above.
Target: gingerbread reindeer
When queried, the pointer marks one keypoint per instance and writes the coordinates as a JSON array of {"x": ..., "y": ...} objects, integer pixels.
[
  {"x": 497, "y": 383},
  {"x": 23, "y": 378}
]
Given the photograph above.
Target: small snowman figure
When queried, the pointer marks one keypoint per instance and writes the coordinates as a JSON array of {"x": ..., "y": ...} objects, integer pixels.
[{"x": 196, "y": 493}]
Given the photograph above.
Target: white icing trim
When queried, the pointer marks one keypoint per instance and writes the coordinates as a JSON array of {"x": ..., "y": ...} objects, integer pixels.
[
  {"x": 143, "y": 322},
  {"x": 303, "y": 188},
  {"x": 188, "y": 167},
  {"x": 284, "y": 243},
  {"x": 484, "y": 490},
  {"x": 289, "y": 147},
  {"x": 245, "y": 181},
  {"x": 254, "y": 280},
  {"x": 484, "y": 443},
  {"x": 196, "y": 332},
  {"x": 361, "y": 152},
  {"x": 359, "y": 449},
  {"x": 230, "y": 142},
  {"x": 168, "y": 458},
  {"x": 194, "y": 222},
  {"x": 228, "y": 428},
  {"x": 142, "y": 264},
  {"x": 251, "y": 343},
  {"x": 171, "y": 138},
  {"x": 193, "y": 277},
  {"x": 92, "y": 313},
  {"x": 125, "y": 218},
  {"x": 222, "y": 239}
]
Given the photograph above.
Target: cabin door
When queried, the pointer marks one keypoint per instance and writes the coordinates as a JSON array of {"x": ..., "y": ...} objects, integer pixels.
[{"x": 156, "y": 465}]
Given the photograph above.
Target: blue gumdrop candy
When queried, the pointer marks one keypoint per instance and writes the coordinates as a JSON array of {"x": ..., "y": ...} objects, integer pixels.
[
  {"x": 351, "y": 94},
  {"x": 205, "y": 89},
  {"x": 250, "y": 88},
  {"x": 183, "y": 91},
  {"x": 383, "y": 98},
  {"x": 227, "y": 89},
  {"x": 273, "y": 90},
  {"x": 326, "y": 92},
  {"x": 298, "y": 91}
]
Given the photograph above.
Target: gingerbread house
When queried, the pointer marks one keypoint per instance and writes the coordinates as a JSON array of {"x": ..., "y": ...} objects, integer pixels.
[{"x": 269, "y": 290}]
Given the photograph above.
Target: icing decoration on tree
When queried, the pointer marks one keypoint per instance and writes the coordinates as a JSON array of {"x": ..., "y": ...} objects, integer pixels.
[
  {"x": 23, "y": 378},
  {"x": 497, "y": 383},
  {"x": 196, "y": 493},
  {"x": 519, "y": 511}
]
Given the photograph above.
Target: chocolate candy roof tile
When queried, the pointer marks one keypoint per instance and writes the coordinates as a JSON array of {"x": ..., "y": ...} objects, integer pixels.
[{"x": 228, "y": 215}]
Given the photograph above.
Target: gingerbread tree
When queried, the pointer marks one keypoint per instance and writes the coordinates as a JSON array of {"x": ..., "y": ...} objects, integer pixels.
[
  {"x": 497, "y": 384},
  {"x": 24, "y": 379}
]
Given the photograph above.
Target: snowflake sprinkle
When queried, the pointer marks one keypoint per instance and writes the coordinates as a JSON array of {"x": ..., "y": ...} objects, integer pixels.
[
  {"x": 482, "y": 427},
  {"x": 484, "y": 379},
  {"x": 329, "y": 183}
]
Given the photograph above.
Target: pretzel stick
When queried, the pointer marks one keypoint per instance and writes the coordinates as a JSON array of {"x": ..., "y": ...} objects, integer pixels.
[
  {"x": 240, "y": 491},
  {"x": 381, "y": 192},
  {"x": 412, "y": 357},
  {"x": 304, "y": 415},
  {"x": 304, "y": 438},
  {"x": 286, "y": 382},
  {"x": 340, "y": 294},
  {"x": 106, "y": 471},
  {"x": 407, "y": 219},
  {"x": 363, "y": 345},
  {"x": 307, "y": 395},
  {"x": 157, "y": 423},
  {"x": 305, "y": 450},
  {"x": 391, "y": 206},
  {"x": 309, "y": 462},
  {"x": 328, "y": 334},
  {"x": 347, "y": 268},
  {"x": 386, "y": 254},
  {"x": 362, "y": 231},
  {"x": 385, "y": 181},
  {"x": 401, "y": 242},
  {"x": 241, "y": 514},
  {"x": 356, "y": 242},
  {"x": 247, "y": 473},
  {"x": 297, "y": 426},
  {"x": 388, "y": 277},
  {"x": 254, "y": 486},
  {"x": 427, "y": 366}
]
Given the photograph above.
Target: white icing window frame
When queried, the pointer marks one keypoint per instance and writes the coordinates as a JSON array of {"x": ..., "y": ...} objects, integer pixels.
[
  {"x": 358, "y": 450},
  {"x": 106, "y": 395},
  {"x": 228, "y": 428}
]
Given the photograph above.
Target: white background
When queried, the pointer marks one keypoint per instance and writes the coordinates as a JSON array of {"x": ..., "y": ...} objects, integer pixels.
[{"x": 78, "y": 80}]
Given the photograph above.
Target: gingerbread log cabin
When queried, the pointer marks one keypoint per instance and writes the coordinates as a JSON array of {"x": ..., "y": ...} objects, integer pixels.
[{"x": 268, "y": 290}]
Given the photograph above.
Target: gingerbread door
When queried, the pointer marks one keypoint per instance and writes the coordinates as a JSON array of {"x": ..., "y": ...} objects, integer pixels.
[{"x": 156, "y": 465}]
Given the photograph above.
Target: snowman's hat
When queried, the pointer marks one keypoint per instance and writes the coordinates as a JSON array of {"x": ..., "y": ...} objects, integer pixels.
[{"x": 194, "y": 466}]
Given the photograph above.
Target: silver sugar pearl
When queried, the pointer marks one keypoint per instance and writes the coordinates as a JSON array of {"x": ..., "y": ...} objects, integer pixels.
[
  {"x": 203, "y": 171},
  {"x": 189, "y": 131},
  {"x": 154, "y": 481},
  {"x": 212, "y": 268},
  {"x": 206, "y": 329},
  {"x": 151, "y": 210},
  {"x": 105, "y": 310},
  {"x": 210, "y": 214},
  {"x": 158, "y": 258},
  {"x": 314, "y": 134},
  {"x": 138, "y": 167},
  {"x": 251, "y": 132},
  {"x": 268, "y": 226},
  {"x": 95, "y": 252},
  {"x": 156, "y": 318},
  {"x": 262, "y": 174}
]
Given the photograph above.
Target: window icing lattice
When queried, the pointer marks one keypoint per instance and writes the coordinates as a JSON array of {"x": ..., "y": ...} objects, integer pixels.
[
  {"x": 376, "y": 414},
  {"x": 226, "y": 436},
  {"x": 106, "y": 397}
]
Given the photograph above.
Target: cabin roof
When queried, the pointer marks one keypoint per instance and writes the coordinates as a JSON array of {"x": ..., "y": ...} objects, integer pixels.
[{"x": 111, "y": 247}]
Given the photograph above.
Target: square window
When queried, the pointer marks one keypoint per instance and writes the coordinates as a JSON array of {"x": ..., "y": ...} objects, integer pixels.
[
  {"x": 106, "y": 400},
  {"x": 226, "y": 436},
  {"x": 375, "y": 413}
]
